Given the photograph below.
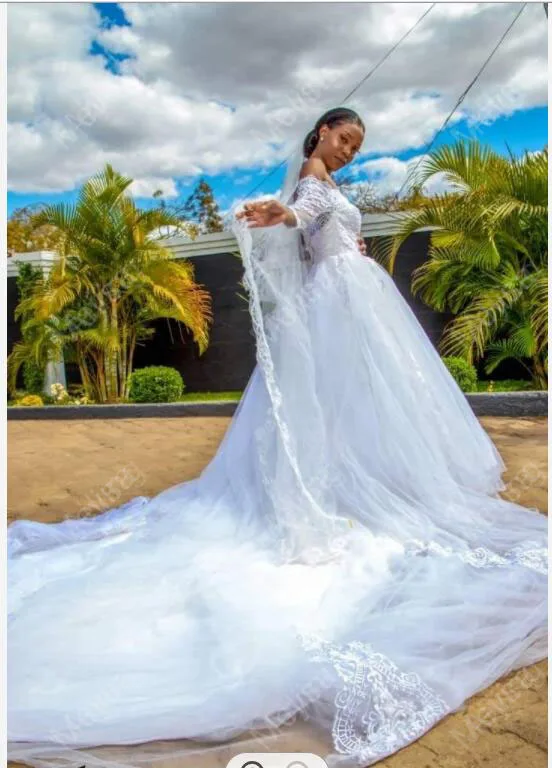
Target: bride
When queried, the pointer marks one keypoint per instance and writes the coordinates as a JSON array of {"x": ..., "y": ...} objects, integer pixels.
[{"x": 345, "y": 557}]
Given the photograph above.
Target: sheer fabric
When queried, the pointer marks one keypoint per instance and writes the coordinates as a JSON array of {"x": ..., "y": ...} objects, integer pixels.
[{"x": 345, "y": 556}]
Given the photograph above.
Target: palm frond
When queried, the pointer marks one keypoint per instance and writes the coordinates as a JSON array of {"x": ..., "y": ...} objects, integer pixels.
[
  {"x": 499, "y": 351},
  {"x": 469, "y": 333}
]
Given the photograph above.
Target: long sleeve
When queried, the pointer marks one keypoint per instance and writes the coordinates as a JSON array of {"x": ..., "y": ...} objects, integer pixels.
[{"x": 312, "y": 199}]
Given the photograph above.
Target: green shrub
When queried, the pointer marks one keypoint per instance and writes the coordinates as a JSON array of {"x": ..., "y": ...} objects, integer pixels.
[
  {"x": 156, "y": 384},
  {"x": 464, "y": 374},
  {"x": 33, "y": 377}
]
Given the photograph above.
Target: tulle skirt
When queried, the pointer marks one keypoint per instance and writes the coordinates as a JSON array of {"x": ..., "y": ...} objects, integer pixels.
[{"x": 185, "y": 617}]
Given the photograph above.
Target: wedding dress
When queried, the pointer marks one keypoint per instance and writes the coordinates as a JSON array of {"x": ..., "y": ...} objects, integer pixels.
[{"x": 345, "y": 556}]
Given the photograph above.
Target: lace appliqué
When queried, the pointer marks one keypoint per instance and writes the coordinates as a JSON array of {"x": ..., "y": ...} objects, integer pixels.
[
  {"x": 530, "y": 555},
  {"x": 257, "y": 282},
  {"x": 312, "y": 204},
  {"x": 319, "y": 222},
  {"x": 380, "y": 708}
]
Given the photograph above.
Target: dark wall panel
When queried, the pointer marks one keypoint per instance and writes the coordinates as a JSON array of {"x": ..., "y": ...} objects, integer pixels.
[
  {"x": 410, "y": 256},
  {"x": 13, "y": 333},
  {"x": 230, "y": 358}
]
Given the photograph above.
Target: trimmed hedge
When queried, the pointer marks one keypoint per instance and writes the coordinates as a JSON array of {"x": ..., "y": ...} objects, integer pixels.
[
  {"x": 463, "y": 372},
  {"x": 156, "y": 384}
]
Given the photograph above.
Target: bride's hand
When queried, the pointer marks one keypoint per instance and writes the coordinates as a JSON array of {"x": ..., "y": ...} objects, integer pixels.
[
  {"x": 265, "y": 213},
  {"x": 362, "y": 246}
]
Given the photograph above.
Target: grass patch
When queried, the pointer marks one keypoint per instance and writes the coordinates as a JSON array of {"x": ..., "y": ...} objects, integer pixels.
[
  {"x": 506, "y": 385},
  {"x": 210, "y": 396}
]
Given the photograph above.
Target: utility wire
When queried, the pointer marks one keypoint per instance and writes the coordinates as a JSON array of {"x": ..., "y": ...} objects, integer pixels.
[
  {"x": 388, "y": 54},
  {"x": 348, "y": 96},
  {"x": 461, "y": 98}
]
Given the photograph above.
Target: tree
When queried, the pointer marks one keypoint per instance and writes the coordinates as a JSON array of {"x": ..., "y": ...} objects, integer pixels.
[
  {"x": 114, "y": 275},
  {"x": 202, "y": 208},
  {"x": 488, "y": 254},
  {"x": 364, "y": 195},
  {"x": 24, "y": 237},
  {"x": 28, "y": 279}
]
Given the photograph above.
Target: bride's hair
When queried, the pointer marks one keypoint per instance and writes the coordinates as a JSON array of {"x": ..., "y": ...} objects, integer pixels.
[{"x": 330, "y": 118}]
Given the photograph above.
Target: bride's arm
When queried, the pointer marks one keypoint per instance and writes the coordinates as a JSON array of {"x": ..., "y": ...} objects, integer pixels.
[
  {"x": 267, "y": 213},
  {"x": 311, "y": 199}
]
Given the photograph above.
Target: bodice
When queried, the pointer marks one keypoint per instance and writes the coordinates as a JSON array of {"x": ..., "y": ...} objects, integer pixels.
[{"x": 329, "y": 222}]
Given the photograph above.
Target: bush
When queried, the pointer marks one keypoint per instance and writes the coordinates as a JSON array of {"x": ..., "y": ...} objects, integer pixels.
[
  {"x": 156, "y": 384},
  {"x": 30, "y": 400},
  {"x": 464, "y": 374},
  {"x": 33, "y": 377}
]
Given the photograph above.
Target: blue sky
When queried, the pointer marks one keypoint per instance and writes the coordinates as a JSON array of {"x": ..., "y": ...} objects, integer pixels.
[
  {"x": 139, "y": 62},
  {"x": 525, "y": 130}
]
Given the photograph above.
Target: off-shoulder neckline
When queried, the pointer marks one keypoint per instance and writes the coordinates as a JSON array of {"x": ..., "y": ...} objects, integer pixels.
[{"x": 321, "y": 181}]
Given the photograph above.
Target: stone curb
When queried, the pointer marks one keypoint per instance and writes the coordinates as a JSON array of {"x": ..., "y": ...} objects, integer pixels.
[
  {"x": 509, "y": 403},
  {"x": 126, "y": 411},
  {"x": 483, "y": 404}
]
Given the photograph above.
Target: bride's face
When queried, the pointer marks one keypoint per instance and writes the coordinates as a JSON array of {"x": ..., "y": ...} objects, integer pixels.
[{"x": 340, "y": 145}]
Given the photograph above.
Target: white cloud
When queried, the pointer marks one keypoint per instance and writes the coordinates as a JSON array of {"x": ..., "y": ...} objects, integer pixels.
[
  {"x": 213, "y": 87},
  {"x": 388, "y": 174},
  {"x": 247, "y": 179},
  {"x": 38, "y": 34},
  {"x": 146, "y": 187}
]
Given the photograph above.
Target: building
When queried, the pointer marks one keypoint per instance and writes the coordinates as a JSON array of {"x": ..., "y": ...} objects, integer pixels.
[{"x": 230, "y": 358}]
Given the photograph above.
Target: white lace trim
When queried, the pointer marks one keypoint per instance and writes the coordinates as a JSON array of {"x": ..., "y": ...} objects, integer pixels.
[
  {"x": 380, "y": 708},
  {"x": 530, "y": 554},
  {"x": 253, "y": 255}
]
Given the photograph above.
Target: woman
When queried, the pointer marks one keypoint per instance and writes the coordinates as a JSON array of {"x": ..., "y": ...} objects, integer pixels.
[{"x": 345, "y": 556}]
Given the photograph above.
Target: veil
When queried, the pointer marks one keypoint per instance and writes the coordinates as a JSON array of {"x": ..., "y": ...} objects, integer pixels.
[{"x": 276, "y": 265}]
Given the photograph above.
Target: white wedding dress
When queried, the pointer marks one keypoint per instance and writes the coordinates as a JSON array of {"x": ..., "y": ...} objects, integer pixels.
[{"x": 344, "y": 556}]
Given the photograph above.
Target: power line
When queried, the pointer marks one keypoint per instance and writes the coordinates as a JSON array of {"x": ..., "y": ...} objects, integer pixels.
[
  {"x": 460, "y": 100},
  {"x": 388, "y": 54},
  {"x": 348, "y": 96}
]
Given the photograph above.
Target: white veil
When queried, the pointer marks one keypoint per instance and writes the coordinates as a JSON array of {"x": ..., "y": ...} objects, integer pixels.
[{"x": 276, "y": 266}]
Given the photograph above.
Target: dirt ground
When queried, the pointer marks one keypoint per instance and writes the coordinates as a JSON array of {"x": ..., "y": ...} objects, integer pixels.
[{"x": 60, "y": 469}]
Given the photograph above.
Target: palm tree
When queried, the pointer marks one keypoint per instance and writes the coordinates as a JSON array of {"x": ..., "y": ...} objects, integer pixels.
[
  {"x": 488, "y": 254},
  {"x": 114, "y": 275}
]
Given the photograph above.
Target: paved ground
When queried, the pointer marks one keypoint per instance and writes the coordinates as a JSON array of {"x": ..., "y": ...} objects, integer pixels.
[{"x": 67, "y": 469}]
